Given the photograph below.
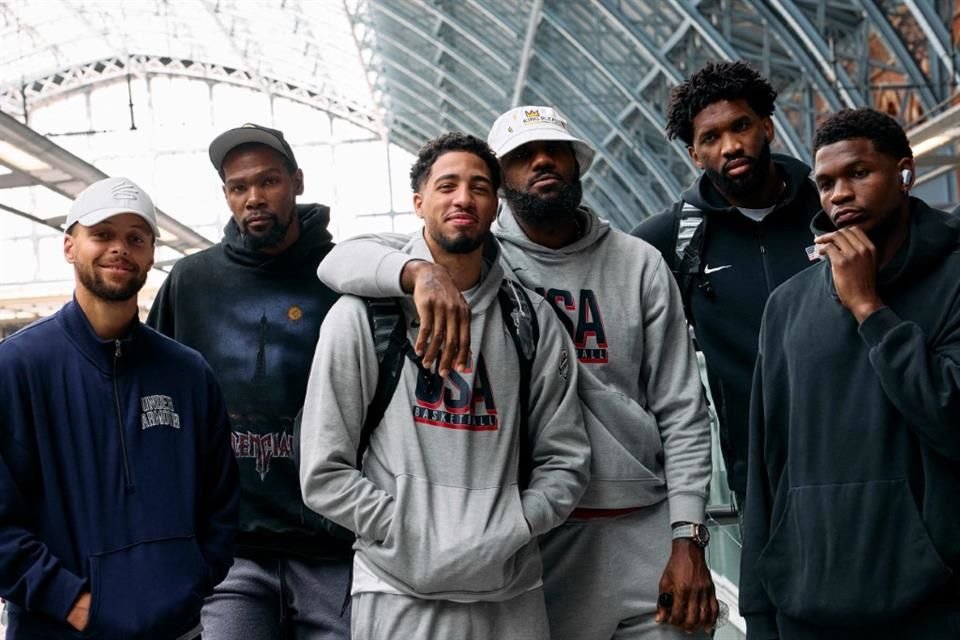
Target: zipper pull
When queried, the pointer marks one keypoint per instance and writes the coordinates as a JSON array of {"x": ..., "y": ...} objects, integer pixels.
[{"x": 116, "y": 349}]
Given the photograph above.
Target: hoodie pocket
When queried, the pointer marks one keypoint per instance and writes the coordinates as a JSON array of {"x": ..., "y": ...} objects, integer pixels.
[
  {"x": 624, "y": 438},
  {"x": 844, "y": 553},
  {"x": 451, "y": 539},
  {"x": 147, "y": 590}
]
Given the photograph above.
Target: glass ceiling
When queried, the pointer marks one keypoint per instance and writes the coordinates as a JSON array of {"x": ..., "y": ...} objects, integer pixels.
[
  {"x": 408, "y": 70},
  {"x": 139, "y": 88},
  {"x": 307, "y": 44}
]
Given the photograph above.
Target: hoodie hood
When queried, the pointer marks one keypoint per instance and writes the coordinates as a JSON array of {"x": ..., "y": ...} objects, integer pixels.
[
  {"x": 508, "y": 230},
  {"x": 933, "y": 235},
  {"x": 703, "y": 195},
  {"x": 821, "y": 224},
  {"x": 314, "y": 240}
]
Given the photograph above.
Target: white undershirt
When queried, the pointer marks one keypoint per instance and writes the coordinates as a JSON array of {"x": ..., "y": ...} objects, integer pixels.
[{"x": 756, "y": 214}]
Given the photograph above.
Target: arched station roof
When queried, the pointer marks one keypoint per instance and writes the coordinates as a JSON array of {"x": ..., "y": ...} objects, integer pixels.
[
  {"x": 409, "y": 69},
  {"x": 609, "y": 65}
]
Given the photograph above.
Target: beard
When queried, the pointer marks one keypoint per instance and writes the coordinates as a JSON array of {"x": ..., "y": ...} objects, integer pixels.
[
  {"x": 99, "y": 287},
  {"x": 266, "y": 239},
  {"x": 459, "y": 244},
  {"x": 746, "y": 184},
  {"x": 545, "y": 211}
]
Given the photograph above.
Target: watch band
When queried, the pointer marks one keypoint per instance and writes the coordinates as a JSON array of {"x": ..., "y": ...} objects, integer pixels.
[
  {"x": 694, "y": 531},
  {"x": 685, "y": 530}
]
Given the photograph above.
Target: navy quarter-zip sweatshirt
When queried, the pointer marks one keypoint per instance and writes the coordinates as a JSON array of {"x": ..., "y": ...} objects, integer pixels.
[{"x": 116, "y": 477}]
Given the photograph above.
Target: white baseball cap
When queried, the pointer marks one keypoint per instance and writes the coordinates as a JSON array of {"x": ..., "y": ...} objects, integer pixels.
[
  {"x": 521, "y": 125},
  {"x": 110, "y": 197}
]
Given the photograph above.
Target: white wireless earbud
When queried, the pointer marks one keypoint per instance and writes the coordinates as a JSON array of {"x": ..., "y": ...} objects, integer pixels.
[{"x": 906, "y": 177}]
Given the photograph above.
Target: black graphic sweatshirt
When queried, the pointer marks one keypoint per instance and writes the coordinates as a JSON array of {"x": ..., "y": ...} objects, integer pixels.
[{"x": 256, "y": 319}]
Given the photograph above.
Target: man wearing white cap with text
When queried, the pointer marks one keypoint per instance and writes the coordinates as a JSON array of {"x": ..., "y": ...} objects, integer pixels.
[
  {"x": 118, "y": 487},
  {"x": 638, "y": 532}
]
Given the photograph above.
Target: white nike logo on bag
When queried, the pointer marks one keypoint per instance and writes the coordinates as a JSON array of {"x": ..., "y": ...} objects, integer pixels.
[{"x": 708, "y": 270}]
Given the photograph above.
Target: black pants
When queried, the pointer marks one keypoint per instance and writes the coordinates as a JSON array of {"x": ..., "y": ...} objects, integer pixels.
[{"x": 931, "y": 622}]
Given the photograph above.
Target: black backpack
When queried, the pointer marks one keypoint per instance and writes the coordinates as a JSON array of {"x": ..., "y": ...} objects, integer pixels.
[{"x": 388, "y": 326}]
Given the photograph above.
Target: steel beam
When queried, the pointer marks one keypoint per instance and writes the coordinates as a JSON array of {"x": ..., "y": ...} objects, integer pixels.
[
  {"x": 44, "y": 90},
  {"x": 890, "y": 37},
  {"x": 536, "y": 13},
  {"x": 434, "y": 42},
  {"x": 801, "y": 29},
  {"x": 68, "y": 175},
  {"x": 937, "y": 36},
  {"x": 723, "y": 47},
  {"x": 669, "y": 182}
]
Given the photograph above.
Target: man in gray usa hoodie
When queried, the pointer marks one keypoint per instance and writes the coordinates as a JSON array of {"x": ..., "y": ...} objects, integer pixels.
[
  {"x": 637, "y": 532},
  {"x": 446, "y": 531}
]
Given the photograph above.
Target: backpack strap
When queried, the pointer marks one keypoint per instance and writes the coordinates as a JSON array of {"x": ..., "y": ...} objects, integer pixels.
[
  {"x": 689, "y": 239},
  {"x": 687, "y": 220},
  {"x": 523, "y": 327},
  {"x": 391, "y": 346}
]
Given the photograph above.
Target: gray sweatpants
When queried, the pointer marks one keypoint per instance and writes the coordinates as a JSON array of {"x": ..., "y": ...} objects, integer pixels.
[
  {"x": 384, "y": 616},
  {"x": 280, "y": 598},
  {"x": 601, "y": 577}
]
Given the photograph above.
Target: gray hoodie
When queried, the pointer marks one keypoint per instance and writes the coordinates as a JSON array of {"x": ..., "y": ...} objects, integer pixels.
[
  {"x": 643, "y": 401},
  {"x": 436, "y": 507}
]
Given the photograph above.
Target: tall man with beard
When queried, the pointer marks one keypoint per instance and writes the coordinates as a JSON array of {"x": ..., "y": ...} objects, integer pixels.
[
  {"x": 756, "y": 209},
  {"x": 639, "y": 384},
  {"x": 251, "y": 305},
  {"x": 118, "y": 489},
  {"x": 851, "y": 524}
]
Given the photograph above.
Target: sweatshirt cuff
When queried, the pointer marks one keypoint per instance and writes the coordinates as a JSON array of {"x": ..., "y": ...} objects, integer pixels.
[
  {"x": 762, "y": 626},
  {"x": 382, "y": 526},
  {"x": 687, "y": 507},
  {"x": 877, "y": 325},
  {"x": 62, "y": 594},
  {"x": 537, "y": 513},
  {"x": 388, "y": 274}
]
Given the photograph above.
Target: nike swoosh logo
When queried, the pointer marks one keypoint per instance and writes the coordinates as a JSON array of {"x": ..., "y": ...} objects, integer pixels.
[{"x": 707, "y": 270}]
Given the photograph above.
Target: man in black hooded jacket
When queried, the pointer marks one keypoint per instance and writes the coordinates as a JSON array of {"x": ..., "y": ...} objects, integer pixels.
[
  {"x": 252, "y": 305},
  {"x": 851, "y": 525},
  {"x": 755, "y": 209}
]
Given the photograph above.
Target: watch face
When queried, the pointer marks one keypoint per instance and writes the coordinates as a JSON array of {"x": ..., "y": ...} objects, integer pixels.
[{"x": 701, "y": 535}]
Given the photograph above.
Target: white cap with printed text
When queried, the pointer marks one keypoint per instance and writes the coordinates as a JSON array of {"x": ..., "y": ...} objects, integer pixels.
[
  {"x": 111, "y": 197},
  {"x": 521, "y": 125}
]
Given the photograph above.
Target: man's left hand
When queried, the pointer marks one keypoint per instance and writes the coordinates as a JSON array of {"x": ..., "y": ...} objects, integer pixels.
[
  {"x": 688, "y": 579},
  {"x": 853, "y": 260}
]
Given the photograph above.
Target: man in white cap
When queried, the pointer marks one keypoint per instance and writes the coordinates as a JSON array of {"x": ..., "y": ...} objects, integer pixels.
[
  {"x": 118, "y": 488},
  {"x": 638, "y": 533},
  {"x": 252, "y": 306}
]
